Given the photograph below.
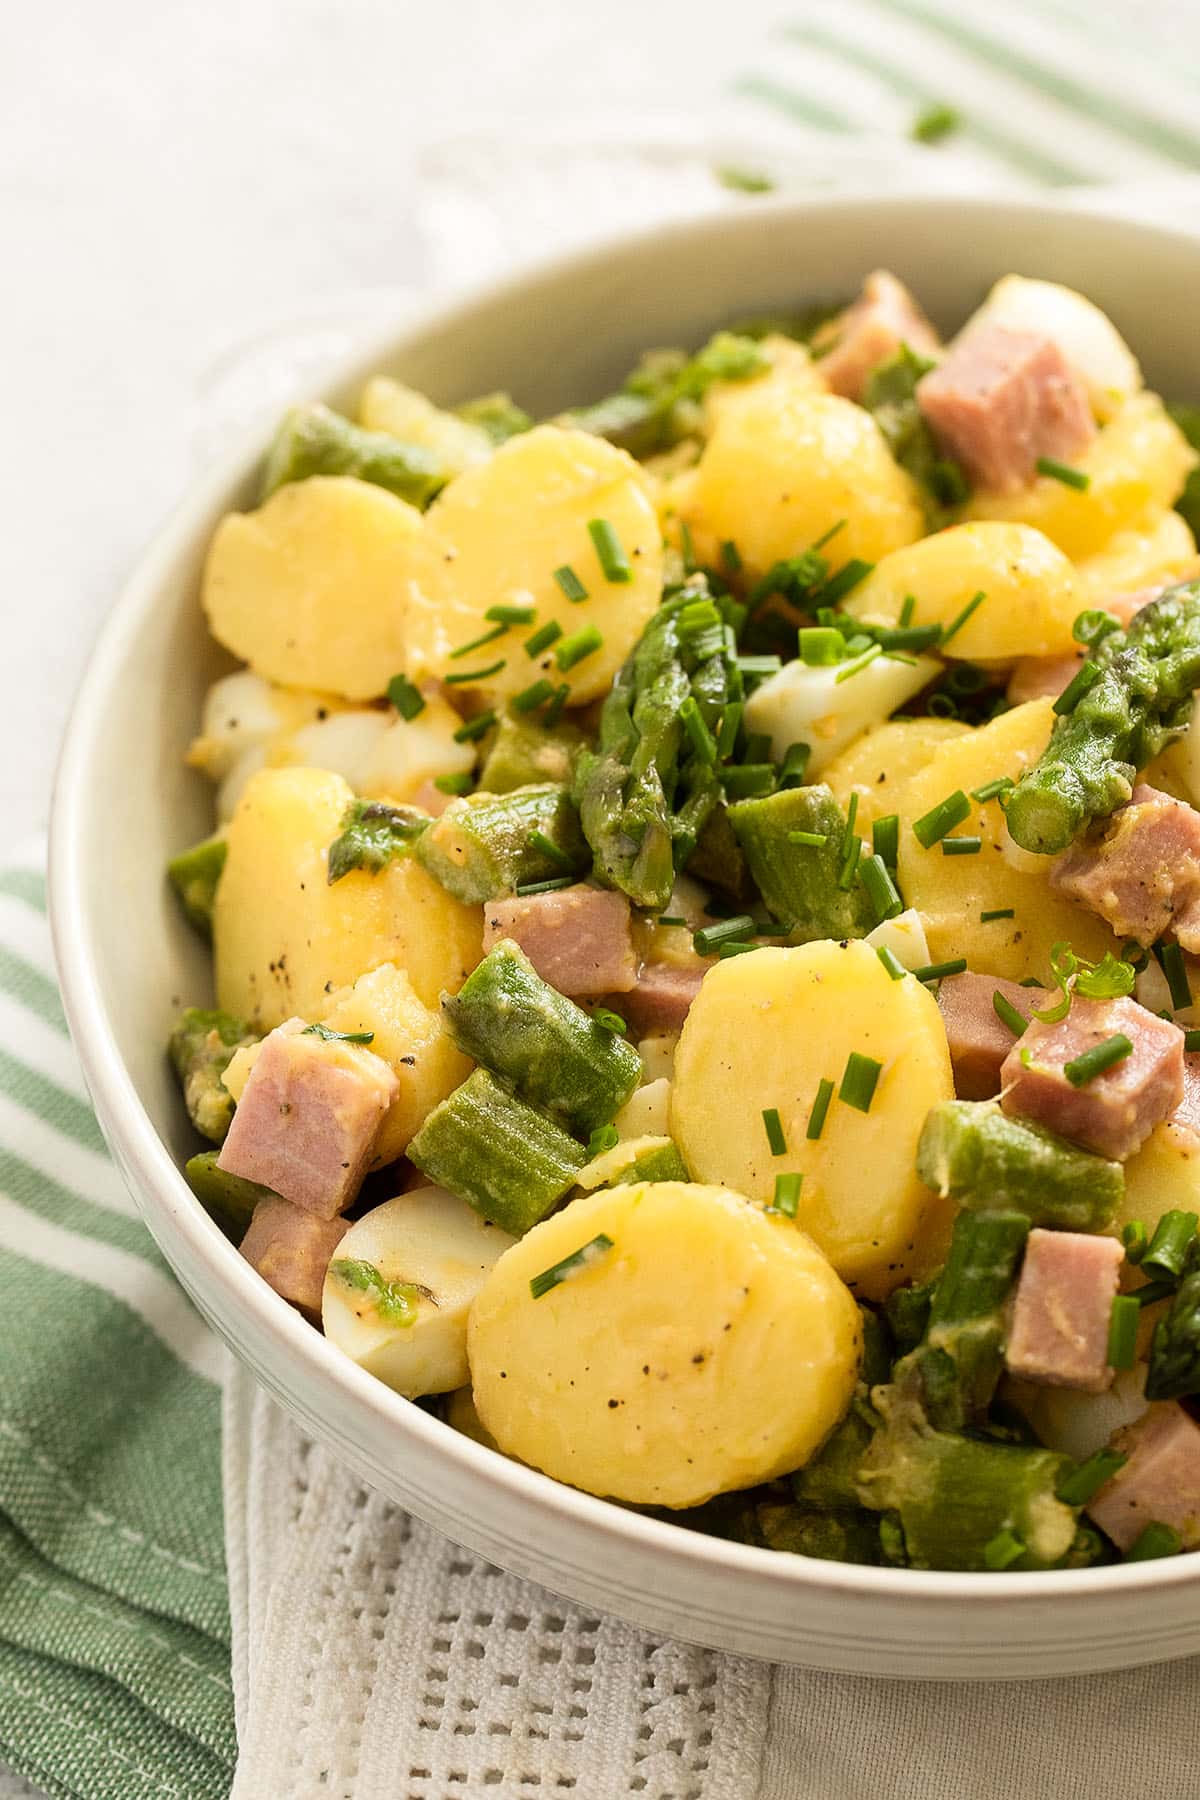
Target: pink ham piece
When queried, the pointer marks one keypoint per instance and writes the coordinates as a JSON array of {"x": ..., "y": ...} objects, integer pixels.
[
  {"x": 1059, "y": 1329},
  {"x": 979, "y": 1039},
  {"x": 884, "y": 317},
  {"x": 1161, "y": 1480},
  {"x": 1115, "y": 1112},
  {"x": 291, "y": 1249},
  {"x": 1000, "y": 400},
  {"x": 308, "y": 1118},
  {"x": 579, "y": 939},
  {"x": 662, "y": 998},
  {"x": 1141, "y": 871}
]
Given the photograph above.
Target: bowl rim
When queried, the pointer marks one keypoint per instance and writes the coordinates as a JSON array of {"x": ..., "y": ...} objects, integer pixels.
[{"x": 160, "y": 1183}]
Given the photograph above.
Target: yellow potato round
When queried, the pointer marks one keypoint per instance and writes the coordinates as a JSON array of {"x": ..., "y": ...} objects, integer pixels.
[
  {"x": 1158, "y": 548},
  {"x": 950, "y": 892},
  {"x": 1139, "y": 461},
  {"x": 792, "y": 375},
  {"x": 879, "y": 765},
  {"x": 284, "y": 939},
  {"x": 763, "y": 1032},
  {"x": 710, "y": 1348},
  {"x": 497, "y": 534},
  {"x": 387, "y": 405},
  {"x": 1164, "y": 1174},
  {"x": 783, "y": 466},
  {"x": 1031, "y": 592},
  {"x": 309, "y": 589}
]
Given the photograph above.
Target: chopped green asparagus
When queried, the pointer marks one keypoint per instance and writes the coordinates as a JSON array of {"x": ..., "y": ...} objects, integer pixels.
[
  {"x": 230, "y": 1199},
  {"x": 891, "y": 396},
  {"x": 488, "y": 845},
  {"x": 958, "y": 1361},
  {"x": 312, "y": 440},
  {"x": 548, "y": 1049},
  {"x": 506, "y": 1159},
  {"x": 851, "y": 1535},
  {"x": 829, "y": 1480},
  {"x": 799, "y": 879},
  {"x": 1175, "y": 1347},
  {"x": 972, "y": 1152},
  {"x": 201, "y": 1048},
  {"x": 525, "y": 753},
  {"x": 658, "y": 404},
  {"x": 1139, "y": 701},
  {"x": 662, "y": 1162},
  {"x": 496, "y": 414},
  {"x": 194, "y": 875},
  {"x": 907, "y": 1313},
  {"x": 372, "y": 834},
  {"x": 717, "y": 860}
]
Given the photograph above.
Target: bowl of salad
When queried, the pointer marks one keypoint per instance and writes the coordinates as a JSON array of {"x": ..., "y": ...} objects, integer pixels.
[{"x": 624, "y": 884}]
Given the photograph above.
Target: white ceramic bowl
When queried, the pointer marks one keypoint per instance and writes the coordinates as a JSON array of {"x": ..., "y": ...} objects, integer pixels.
[{"x": 562, "y": 333}]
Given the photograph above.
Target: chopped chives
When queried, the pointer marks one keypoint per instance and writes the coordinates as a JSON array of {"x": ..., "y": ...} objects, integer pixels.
[
  {"x": 880, "y": 888},
  {"x": 972, "y": 606},
  {"x": 1057, "y": 471},
  {"x": 475, "y": 728},
  {"x": 1168, "y": 1247},
  {"x": 998, "y": 912},
  {"x": 542, "y": 638},
  {"x": 1135, "y": 1239},
  {"x": 891, "y": 962},
  {"x": 820, "y": 1106},
  {"x": 787, "y": 1194},
  {"x": 545, "y": 887},
  {"x": 885, "y": 839},
  {"x": 849, "y": 868},
  {"x": 758, "y": 748},
  {"x": 851, "y": 820},
  {"x": 536, "y": 694},
  {"x": 547, "y": 846},
  {"x": 1170, "y": 958},
  {"x": 937, "y": 971},
  {"x": 773, "y": 1127},
  {"x": 1084, "y": 1483},
  {"x": 699, "y": 736},
  {"x": 454, "y": 784},
  {"x": 1084, "y": 1068},
  {"x": 605, "y": 1137},
  {"x": 730, "y": 556},
  {"x": 961, "y": 846},
  {"x": 907, "y": 610},
  {"x": 758, "y": 665},
  {"x": 466, "y": 677},
  {"x": 794, "y": 766},
  {"x": 815, "y": 839},
  {"x": 1191, "y": 1040},
  {"x": 1093, "y": 625},
  {"x": 709, "y": 937},
  {"x": 941, "y": 819},
  {"x": 847, "y": 577},
  {"x": 488, "y": 637},
  {"x": 907, "y": 637},
  {"x": 739, "y": 948},
  {"x": 1152, "y": 1291},
  {"x": 504, "y": 614},
  {"x": 748, "y": 781},
  {"x": 338, "y": 1037},
  {"x": 554, "y": 711},
  {"x": 991, "y": 790},
  {"x": 611, "y": 1021},
  {"x": 570, "y": 584},
  {"x": 1085, "y": 677},
  {"x": 820, "y": 645},
  {"x": 570, "y": 1265},
  {"x": 1003, "y": 1550},
  {"x": 405, "y": 696},
  {"x": 573, "y": 649},
  {"x": 859, "y": 1080},
  {"x": 860, "y": 662},
  {"x": 613, "y": 560},
  {"x": 727, "y": 730},
  {"x": 687, "y": 548},
  {"x": 1157, "y": 1539},
  {"x": 1122, "y": 1332},
  {"x": 1007, "y": 1013}
]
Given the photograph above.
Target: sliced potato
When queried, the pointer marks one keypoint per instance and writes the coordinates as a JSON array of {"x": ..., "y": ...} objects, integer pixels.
[
  {"x": 1162, "y": 1175},
  {"x": 646, "y": 1110},
  {"x": 951, "y": 892},
  {"x": 1087, "y": 337},
  {"x": 285, "y": 939},
  {"x": 1031, "y": 592},
  {"x": 309, "y": 589},
  {"x": 498, "y": 533},
  {"x": 711, "y": 1347},
  {"x": 808, "y": 704},
  {"x": 792, "y": 375},
  {"x": 1138, "y": 463},
  {"x": 763, "y": 1032},
  {"x": 1158, "y": 548},
  {"x": 412, "y": 752},
  {"x": 905, "y": 937},
  {"x": 782, "y": 467},
  {"x": 387, "y": 405},
  {"x": 879, "y": 765},
  {"x": 431, "y": 1242},
  {"x": 658, "y": 1055}
]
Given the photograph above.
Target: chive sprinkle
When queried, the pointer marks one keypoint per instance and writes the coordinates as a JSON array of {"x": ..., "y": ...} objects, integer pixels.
[
  {"x": 338, "y": 1037},
  {"x": 1003, "y": 1550},
  {"x": 937, "y": 971},
  {"x": 611, "y": 1021},
  {"x": 1007, "y": 1013},
  {"x": 1084, "y": 1068},
  {"x": 1155, "y": 1540},
  {"x": 504, "y": 614},
  {"x": 859, "y": 1080},
  {"x": 488, "y": 637},
  {"x": 613, "y": 560},
  {"x": 1151, "y": 1291},
  {"x": 710, "y": 937},
  {"x": 731, "y": 556},
  {"x": 773, "y": 1127},
  {"x": 851, "y": 821},
  {"x": 880, "y": 889},
  {"x": 1085, "y": 677},
  {"x": 570, "y": 1265},
  {"x": 453, "y": 784},
  {"x": 737, "y": 948},
  {"x": 998, "y": 912},
  {"x": 407, "y": 699},
  {"x": 961, "y": 846},
  {"x": 466, "y": 677},
  {"x": 1170, "y": 958},
  {"x": 573, "y": 649},
  {"x": 907, "y": 610},
  {"x": 1168, "y": 1247},
  {"x": 820, "y": 645},
  {"x": 758, "y": 748},
  {"x": 545, "y": 887},
  {"x": 972, "y": 606},
  {"x": 941, "y": 819},
  {"x": 758, "y": 665},
  {"x": 885, "y": 839},
  {"x": 1058, "y": 471},
  {"x": 991, "y": 790},
  {"x": 1191, "y": 1040},
  {"x": 813, "y": 838},
  {"x": 554, "y": 711},
  {"x": 671, "y": 919},
  {"x": 604, "y": 1138},
  {"x": 860, "y": 662},
  {"x": 1135, "y": 1239},
  {"x": 687, "y": 548},
  {"x": 473, "y": 729},
  {"x": 849, "y": 868},
  {"x": 699, "y": 736},
  {"x": 542, "y": 638},
  {"x": 848, "y": 576},
  {"x": 1122, "y": 1331},
  {"x": 539, "y": 841},
  {"x": 748, "y": 781},
  {"x": 787, "y": 1194},
  {"x": 536, "y": 694},
  {"x": 794, "y": 766},
  {"x": 891, "y": 962},
  {"x": 727, "y": 730},
  {"x": 820, "y": 1106},
  {"x": 1084, "y": 1482},
  {"x": 570, "y": 584}
]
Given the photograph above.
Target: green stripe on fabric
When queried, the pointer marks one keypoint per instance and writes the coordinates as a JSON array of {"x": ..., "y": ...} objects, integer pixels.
[
  {"x": 31, "y": 988},
  {"x": 1096, "y": 104},
  {"x": 49, "y": 1199},
  {"x": 64, "y": 1111},
  {"x": 26, "y": 885},
  {"x": 1027, "y": 157},
  {"x": 791, "y": 101}
]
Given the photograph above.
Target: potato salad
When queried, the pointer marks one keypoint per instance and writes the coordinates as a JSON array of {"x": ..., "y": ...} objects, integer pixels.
[{"x": 705, "y": 914}]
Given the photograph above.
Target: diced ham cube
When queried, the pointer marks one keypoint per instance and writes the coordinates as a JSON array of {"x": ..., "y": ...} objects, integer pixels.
[
  {"x": 1115, "y": 1111},
  {"x": 979, "y": 1039},
  {"x": 1041, "y": 677},
  {"x": 1161, "y": 1480},
  {"x": 662, "y": 998},
  {"x": 1059, "y": 1329},
  {"x": 308, "y": 1118},
  {"x": 291, "y": 1249},
  {"x": 579, "y": 939},
  {"x": 1000, "y": 400},
  {"x": 1141, "y": 871},
  {"x": 884, "y": 317}
]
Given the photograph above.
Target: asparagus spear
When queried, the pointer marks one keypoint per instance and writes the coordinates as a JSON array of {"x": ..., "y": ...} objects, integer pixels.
[
  {"x": 972, "y": 1152},
  {"x": 372, "y": 834},
  {"x": 231, "y": 1199},
  {"x": 194, "y": 875},
  {"x": 1142, "y": 682},
  {"x": 851, "y": 1535},
  {"x": 552, "y": 1052},
  {"x": 891, "y": 395},
  {"x": 496, "y": 414},
  {"x": 657, "y": 405},
  {"x": 201, "y": 1048},
  {"x": 830, "y": 1479},
  {"x": 312, "y": 440},
  {"x": 958, "y": 1361},
  {"x": 485, "y": 845},
  {"x": 800, "y": 880},
  {"x": 524, "y": 753},
  {"x": 1175, "y": 1347}
]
